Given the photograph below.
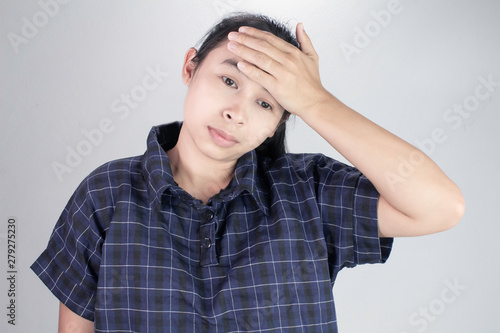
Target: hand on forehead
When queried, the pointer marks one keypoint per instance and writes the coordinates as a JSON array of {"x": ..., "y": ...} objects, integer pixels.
[{"x": 291, "y": 75}]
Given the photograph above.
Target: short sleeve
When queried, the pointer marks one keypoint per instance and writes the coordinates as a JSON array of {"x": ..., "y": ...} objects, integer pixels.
[
  {"x": 348, "y": 206},
  {"x": 69, "y": 265}
]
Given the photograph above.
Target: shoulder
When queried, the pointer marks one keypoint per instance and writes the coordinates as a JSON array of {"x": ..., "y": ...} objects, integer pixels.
[
  {"x": 306, "y": 162},
  {"x": 116, "y": 172},
  {"x": 310, "y": 170},
  {"x": 102, "y": 187}
]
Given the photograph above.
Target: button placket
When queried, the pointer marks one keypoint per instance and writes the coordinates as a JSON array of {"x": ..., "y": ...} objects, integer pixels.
[
  {"x": 208, "y": 256},
  {"x": 206, "y": 243}
]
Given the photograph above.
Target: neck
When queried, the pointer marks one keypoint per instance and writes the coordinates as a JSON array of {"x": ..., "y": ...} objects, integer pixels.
[{"x": 199, "y": 175}]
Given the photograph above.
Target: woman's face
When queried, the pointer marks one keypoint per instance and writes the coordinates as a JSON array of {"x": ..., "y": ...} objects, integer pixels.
[{"x": 225, "y": 113}]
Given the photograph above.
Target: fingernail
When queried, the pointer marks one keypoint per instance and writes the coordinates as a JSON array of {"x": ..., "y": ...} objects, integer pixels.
[
  {"x": 232, "y": 35},
  {"x": 243, "y": 29},
  {"x": 241, "y": 65},
  {"x": 232, "y": 45}
]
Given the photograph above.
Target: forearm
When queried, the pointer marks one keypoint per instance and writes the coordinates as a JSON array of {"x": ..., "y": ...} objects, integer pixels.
[
  {"x": 70, "y": 322},
  {"x": 404, "y": 176}
]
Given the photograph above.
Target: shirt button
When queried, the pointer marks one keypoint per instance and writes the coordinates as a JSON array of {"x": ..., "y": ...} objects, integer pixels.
[
  {"x": 210, "y": 215},
  {"x": 206, "y": 243}
]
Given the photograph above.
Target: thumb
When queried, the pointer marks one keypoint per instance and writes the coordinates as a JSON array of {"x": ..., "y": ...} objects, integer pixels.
[{"x": 304, "y": 40}]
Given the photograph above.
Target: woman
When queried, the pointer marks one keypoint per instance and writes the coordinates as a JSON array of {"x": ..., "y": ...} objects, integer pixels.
[{"x": 215, "y": 228}]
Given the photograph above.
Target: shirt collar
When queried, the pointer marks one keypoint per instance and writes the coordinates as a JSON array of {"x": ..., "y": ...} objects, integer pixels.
[
  {"x": 159, "y": 176},
  {"x": 248, "y": 178},
  {"x": 155, "y": 163}
]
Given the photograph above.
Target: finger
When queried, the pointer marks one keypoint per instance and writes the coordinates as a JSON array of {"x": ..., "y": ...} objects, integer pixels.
[
  {"x": 257, "y": 44},
  {"x": 270, "y": 38},
  {"x": 305, "y": 42},
  {"x": 258, "y": 75},
  {"x": 257, "y": 58}
]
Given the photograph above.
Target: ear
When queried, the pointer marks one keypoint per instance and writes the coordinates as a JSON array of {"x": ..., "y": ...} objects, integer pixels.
[{"x": 189, "y": 66}]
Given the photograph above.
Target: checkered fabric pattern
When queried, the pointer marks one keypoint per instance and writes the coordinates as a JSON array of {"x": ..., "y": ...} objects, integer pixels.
[{"x": 134, "y": 252}]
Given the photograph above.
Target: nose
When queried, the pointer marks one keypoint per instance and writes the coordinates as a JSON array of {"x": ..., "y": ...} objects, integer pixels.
[{"x": 235, "y": 113}]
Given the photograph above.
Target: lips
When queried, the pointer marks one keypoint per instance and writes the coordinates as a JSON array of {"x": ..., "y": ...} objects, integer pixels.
[{"x": 222, "y": 138}]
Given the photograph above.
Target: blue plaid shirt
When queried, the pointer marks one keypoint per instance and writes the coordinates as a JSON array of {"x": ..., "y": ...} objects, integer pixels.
[{"x": 134, "y": 252}]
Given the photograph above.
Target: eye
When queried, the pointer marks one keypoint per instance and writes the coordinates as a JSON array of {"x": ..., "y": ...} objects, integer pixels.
[
  {"x": 265, "y": 105},
  {"x": 229, "y": 82}
]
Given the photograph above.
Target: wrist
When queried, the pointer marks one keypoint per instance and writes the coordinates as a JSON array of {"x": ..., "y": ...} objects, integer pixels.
[{"x": 323, "y": 104}]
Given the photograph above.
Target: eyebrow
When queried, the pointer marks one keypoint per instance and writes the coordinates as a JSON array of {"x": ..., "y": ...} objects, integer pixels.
[
  {"x": 234, "y": 63},
  {"x": 231, "y": 63}
]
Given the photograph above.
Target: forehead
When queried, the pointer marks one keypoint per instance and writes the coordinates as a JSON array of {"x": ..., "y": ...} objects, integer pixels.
[{"x": 220, "y": 53}]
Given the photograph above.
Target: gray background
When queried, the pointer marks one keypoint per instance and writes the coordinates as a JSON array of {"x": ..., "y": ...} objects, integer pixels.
[{"x": 428, "y": 57}]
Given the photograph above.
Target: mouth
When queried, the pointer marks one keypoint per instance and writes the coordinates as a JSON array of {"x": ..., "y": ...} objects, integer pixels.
[{"x": 222, "y": 138}]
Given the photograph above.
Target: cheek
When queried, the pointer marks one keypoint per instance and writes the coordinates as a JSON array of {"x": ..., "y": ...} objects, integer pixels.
[
  {"x": 196, "y": 99},
  {"x": 263, "y": 129},
  {"x": 257, "y": 137}
]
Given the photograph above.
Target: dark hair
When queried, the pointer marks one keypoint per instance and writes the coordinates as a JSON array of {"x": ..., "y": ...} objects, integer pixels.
[{"x": 275, "y": 146}]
